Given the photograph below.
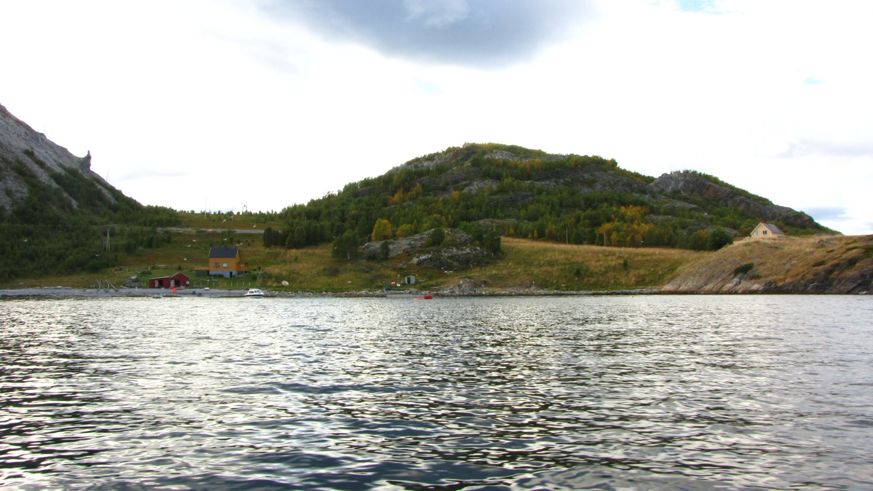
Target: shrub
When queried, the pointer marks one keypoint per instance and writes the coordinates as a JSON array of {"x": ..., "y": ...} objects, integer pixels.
[
  {"x": 745, "y": 268},
  {"x": 491, "y": 243},
  {"x": 405, "y": 230},
  {"x": 437, "y": 236},
  {"x": 718, "y": 238}
]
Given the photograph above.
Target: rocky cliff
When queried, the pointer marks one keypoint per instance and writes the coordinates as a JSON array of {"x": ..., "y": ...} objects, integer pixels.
[
  {"x": 456, "y": 251},
  {"x": 28, "y": 158},
  {"x": 703, "y": 189}
]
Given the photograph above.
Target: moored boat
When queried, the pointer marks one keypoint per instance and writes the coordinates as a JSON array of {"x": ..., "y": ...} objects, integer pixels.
[{"x": 254, "y": 292}]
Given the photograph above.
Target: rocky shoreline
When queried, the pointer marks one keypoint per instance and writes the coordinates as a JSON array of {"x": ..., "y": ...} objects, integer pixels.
[{"x": 60, "y": 292}]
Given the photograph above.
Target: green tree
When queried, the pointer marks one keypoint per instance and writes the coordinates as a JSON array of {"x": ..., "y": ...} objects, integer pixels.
[
  {"x": 381, "y": 230},
  {"x": 491, "y": 243},
  {"x": 718, "y": 238},
  {"x": 296, "y": 237},
  {"x": 437, "y": 236},
  {"x": 433, "y": 221},
  {"x": 405, "y": 230},
  {"x": 345, "y": 246}
]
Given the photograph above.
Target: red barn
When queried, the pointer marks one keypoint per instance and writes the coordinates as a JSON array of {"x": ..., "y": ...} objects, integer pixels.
[{"x": 177, "y": 280}]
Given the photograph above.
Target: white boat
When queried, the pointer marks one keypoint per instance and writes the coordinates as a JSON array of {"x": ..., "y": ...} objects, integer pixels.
[{"x": 254, "y": 292}]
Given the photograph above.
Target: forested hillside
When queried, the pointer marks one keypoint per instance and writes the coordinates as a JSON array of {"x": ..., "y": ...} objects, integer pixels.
[{"x": 526, "y": 193}]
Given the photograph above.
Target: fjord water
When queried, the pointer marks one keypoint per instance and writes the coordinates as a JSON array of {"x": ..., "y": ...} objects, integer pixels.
[{"x": 642, "y": 392}]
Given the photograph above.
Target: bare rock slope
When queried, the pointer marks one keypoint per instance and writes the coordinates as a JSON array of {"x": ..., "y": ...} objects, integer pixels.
[
  {"x": 698, "y": 188},
  {"x": 27, "y": 155}
]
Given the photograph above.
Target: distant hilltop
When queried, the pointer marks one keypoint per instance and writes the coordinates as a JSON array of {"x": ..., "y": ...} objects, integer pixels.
[{"x": 524, "y": 193}]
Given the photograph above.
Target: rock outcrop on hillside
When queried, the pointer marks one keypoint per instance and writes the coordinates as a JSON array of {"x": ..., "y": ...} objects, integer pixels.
[
  {"x": 26, "y": 154},
  {"x": 820, "y": 264},
  {"x": 456, "y": 251},
  {"x": 699, "y": 187}
]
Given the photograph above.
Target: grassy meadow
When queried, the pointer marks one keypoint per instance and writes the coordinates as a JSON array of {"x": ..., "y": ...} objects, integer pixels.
[
  {"x": 569, "y": 267},
  {"x": 229, "y": 220},
  {"x": 525, "y": 264}
]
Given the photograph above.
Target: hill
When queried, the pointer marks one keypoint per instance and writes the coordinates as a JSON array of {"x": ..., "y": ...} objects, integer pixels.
[
  {"x": 518, "y": 192},
  {"x": 55, "y": 211},
  {"x": 440, "y": 217}
]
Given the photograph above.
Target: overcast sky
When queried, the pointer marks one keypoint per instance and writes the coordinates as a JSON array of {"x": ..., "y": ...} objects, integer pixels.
[{"x": 258, "y": 105}]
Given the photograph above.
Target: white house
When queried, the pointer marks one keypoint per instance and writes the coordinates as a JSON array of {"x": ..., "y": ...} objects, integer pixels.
[{"x": 766, "y": 231}]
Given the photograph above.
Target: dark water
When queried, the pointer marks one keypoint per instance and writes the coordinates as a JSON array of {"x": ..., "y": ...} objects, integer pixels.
[{"x": 608, "y": 392}]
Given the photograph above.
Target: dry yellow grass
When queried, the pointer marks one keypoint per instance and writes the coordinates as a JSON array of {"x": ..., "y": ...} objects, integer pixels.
[
  {"x": 819, "y": 263},
  {"x": 580, "y": 267},
  {"x": 525, "y": 263},
  {"x": 828, "y": 263}
]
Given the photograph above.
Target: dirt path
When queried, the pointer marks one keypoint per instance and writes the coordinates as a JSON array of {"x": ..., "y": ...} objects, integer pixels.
[{"x": 189, "y": 230}]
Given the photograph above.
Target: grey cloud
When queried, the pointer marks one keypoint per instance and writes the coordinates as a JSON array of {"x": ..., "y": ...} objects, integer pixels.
[
  {"x": 803, "y": 148},
  {"x": 481, "y": 33}
]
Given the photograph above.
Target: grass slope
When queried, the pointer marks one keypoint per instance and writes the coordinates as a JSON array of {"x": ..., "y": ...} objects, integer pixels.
[
  {"x": 525, "y": 263},
  {"x": 820, "y": 264},
  {"x": 569, "y": 267}
]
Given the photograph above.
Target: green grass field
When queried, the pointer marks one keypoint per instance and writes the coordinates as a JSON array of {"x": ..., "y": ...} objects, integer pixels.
[{"x": 256, "y": 221}]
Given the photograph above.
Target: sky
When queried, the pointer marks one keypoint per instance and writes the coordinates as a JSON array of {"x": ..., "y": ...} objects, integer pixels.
[{"x": 261, "y": 104}]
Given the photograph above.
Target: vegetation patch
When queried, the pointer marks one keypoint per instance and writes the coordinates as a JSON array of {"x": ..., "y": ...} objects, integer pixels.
[{"x": 745, "y": 268}]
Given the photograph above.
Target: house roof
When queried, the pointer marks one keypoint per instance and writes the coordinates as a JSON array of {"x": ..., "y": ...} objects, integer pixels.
[
  {"x": 773, "y": 229},
  {"x": 222, "y": 252},
  {"x": 169, "y": 276}
]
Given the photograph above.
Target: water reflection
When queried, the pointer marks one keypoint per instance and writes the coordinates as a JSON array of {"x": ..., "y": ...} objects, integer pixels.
[{"x": 354, "y": 394}]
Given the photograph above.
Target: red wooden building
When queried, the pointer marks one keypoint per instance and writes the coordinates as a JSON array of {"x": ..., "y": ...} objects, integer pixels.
[{"x": 177, "y": 280}]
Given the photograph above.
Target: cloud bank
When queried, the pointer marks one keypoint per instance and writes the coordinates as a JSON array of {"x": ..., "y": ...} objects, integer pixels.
[{"x": 481, "y": 33}]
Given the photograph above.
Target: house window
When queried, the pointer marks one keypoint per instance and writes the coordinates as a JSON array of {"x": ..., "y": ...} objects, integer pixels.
[{"x": 223, "y": 265}]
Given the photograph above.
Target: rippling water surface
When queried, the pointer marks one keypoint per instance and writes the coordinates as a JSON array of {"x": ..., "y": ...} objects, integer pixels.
[{"x": 639, "y": 392}]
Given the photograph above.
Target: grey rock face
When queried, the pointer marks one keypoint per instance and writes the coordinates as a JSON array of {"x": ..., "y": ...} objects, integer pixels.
[
  {"x": 24, "y": 150},
  {"x": 452, "y": 258},
  {"x": 396, "y": 247},
  {"x": 457, "y": 252},
  {"x": 697, "y": 186}
]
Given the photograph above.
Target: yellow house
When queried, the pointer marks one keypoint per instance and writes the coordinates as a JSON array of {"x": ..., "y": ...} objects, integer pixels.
[
  {"x": 225, "y": 261},
  {"x": 766, "y": 231}
]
